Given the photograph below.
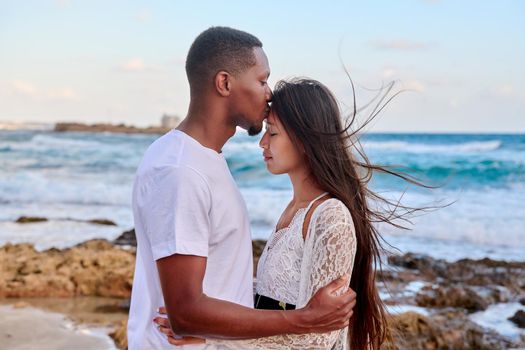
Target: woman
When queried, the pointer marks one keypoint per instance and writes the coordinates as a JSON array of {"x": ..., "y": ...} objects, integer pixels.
[{"x": 326, "y": 230}]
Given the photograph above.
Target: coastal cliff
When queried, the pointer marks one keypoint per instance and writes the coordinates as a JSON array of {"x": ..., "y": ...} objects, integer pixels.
[{"x": 103, "y": 127}]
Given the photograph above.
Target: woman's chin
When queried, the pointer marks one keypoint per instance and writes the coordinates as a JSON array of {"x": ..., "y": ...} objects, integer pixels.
[{"x": 273, "y": 171}]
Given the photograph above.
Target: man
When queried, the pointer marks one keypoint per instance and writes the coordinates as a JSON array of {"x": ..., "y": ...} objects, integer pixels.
[{"x": 193, "y": 238}]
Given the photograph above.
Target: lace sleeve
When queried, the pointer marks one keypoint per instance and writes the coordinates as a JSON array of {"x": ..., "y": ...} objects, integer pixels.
[{"x": 329, "y": 253}]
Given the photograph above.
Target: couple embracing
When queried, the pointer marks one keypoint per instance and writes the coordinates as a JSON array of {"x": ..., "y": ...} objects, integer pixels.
[{"x": 315, "y": 284}]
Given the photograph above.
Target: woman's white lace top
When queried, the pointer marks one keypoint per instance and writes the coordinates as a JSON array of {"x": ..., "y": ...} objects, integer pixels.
[{"x": 292, "y": 270}]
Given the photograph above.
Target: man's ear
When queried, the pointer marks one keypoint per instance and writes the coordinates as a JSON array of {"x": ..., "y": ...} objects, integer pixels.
[{"x": 223, "y": 82}]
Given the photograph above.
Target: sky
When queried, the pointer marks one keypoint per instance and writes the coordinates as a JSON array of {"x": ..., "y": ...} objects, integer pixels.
[{"x": 459, "y": 63}]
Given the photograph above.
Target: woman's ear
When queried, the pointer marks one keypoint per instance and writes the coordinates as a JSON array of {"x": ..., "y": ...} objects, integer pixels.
[{"x": 223, "y": 82}]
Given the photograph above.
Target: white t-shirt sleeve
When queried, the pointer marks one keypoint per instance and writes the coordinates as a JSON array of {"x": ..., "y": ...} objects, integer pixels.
[{"x": 176, "y": 203}]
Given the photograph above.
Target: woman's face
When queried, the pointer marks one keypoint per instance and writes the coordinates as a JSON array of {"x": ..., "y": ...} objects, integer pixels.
[{"x": 280, "y": 154}]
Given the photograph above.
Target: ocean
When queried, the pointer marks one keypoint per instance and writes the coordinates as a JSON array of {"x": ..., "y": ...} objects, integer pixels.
[{"x": 70, "y": 177}]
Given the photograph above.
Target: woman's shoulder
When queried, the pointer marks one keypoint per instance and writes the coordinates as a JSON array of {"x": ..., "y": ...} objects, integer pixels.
[
  {"x": 332, "y": 204},
  {"x": 332, "y": 210},
  {"x": 331, "y": 219}
]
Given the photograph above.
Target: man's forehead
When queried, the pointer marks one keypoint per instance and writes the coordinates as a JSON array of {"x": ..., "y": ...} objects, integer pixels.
[{"x": 262, "y": 60}]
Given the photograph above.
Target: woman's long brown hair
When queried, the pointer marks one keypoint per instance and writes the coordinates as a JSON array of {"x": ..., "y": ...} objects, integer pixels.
[{"x": 310, "y": 114}]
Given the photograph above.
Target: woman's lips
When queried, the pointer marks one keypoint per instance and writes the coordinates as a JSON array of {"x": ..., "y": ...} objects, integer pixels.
[{"x": 266, "y": 157}]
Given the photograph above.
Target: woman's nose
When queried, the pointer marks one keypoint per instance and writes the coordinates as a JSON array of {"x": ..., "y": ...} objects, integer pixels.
[{"x": 264, "y": 141}]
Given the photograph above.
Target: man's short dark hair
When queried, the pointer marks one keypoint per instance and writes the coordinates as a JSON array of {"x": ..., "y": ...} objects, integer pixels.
[{"x": 216, "y": 49}]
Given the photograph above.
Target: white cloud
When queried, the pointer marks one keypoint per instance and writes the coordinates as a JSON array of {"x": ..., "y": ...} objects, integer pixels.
[
  {"x": 414, "y": 85},
  {"x": 143, "y": 16},
  {"x": 137, "y": 64},
  {"x": 501, "y": 92},
  {"x": 400, "y": 44},
  {"x": 27, "y": 89},
  {"x": 63, "y": 3},
  {"x": 504, "y": 91},
  {"x": 65, "y": 94},
  {"x": 389, "y": 72},
  {"x": 179, "y": 61},
  {"x": 23, "y": 88},
  {"x": 133, "y": 65}
]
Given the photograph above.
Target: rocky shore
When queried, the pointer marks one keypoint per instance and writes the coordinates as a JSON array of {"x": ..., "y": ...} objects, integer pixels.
[
  {"x": 451, "y": 294},
  {"x": 437, "y": 301},
  {"x": 93, "y": 268},
  {"x": 103, "y": 127}
]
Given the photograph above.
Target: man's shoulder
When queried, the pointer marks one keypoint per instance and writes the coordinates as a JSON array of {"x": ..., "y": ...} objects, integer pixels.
[
  {"x": 177, "y": 149},
  {"x": 165, "y": 154},
  {"x": 162, "y": 174},
  {"x": 167, "y": 144}
]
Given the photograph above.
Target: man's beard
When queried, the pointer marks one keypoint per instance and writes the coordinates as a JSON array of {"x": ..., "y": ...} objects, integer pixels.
[{"x": 255, "y": 129}]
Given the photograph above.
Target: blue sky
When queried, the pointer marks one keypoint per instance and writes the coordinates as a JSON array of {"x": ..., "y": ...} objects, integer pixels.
[{"x": 123, "y": 61}]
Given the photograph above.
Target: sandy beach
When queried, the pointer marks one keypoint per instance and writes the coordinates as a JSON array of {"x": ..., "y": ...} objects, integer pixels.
[{"x": 26, "y": 328}]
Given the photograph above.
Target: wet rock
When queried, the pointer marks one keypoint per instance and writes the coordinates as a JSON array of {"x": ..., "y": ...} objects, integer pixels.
[
  {"x": 119, "y": 335},
  {"x": 112, "y": 309},
  {"x": 257, "y": 247},
  {"x": 499, "y": 294},
  {"x": 484, "y": 272},
  {"x": 102, "y": 222},
  {"x": 451, "y": 296},
  {"x": 450, "y": 330},
  {"x": 522, "y": 301},
  {"x": 425, "y": 264},
  {"x": 518, "y": 318},
  {"x": 127, "y": 238},
  {"x": 30, "y": 219}
]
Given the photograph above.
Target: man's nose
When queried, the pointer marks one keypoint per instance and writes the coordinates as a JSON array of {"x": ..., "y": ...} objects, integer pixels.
[{"x": 269, "y": 95}]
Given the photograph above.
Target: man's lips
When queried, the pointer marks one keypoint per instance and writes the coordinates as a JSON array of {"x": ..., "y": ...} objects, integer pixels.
[
  {"x": 266, "y": 157},
  {"x": 266, "y": 112}
]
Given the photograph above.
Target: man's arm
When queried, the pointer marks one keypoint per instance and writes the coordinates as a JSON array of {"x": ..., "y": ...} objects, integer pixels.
[{"x": 192, "y": 313}]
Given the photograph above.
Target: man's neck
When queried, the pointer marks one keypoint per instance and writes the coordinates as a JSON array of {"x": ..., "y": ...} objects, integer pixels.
[{"x": 207, "y": 128}]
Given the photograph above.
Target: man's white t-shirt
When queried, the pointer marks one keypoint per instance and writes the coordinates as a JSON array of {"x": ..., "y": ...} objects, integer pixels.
[{"x": 185, "y": 201}]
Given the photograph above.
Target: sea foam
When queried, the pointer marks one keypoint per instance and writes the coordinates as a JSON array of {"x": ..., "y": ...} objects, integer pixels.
[{"x": 467, "y": 147}]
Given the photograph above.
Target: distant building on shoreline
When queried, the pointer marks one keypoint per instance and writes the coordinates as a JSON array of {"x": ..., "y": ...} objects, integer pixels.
[{"x": 170, "y": 121}]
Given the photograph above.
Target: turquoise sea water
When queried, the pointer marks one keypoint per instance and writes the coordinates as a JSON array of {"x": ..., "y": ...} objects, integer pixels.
[{"x": 82, "y": 176}]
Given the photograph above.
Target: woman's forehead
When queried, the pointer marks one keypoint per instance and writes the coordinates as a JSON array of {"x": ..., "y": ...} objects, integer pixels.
[{"x": 272, "y": 118}]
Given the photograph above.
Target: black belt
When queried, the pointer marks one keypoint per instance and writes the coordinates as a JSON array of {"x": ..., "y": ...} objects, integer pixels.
[{"x": 267, "y": 303}]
